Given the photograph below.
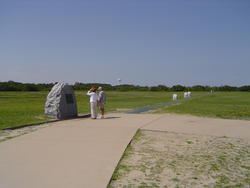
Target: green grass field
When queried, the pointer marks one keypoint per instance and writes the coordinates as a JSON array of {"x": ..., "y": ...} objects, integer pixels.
[
  {"x": 229, "y": 105},
  {"x": 20, "y": 108}
]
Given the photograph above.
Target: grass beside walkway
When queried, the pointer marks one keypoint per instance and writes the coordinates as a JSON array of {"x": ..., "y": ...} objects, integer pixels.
[
  {"x": 228, "y": 105},
  {"x": 20, "y": 108}
]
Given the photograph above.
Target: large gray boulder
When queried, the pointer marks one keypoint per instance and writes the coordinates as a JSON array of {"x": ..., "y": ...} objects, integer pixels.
[{"x": 61, "y": 102}]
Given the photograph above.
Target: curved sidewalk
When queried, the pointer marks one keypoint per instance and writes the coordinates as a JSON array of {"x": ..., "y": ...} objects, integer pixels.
[
  {"x": 83, "y": 153},
  {"x": 79, "y": 153}
]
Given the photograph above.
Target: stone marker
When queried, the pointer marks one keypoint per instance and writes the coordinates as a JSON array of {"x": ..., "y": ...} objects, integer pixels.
[{"x": 61, "y": 102}]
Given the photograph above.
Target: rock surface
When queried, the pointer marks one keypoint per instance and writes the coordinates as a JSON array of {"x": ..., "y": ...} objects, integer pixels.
[{"x": 61, "y": 102}]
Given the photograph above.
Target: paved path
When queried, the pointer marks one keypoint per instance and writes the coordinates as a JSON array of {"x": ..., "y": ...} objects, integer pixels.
[
  {"x": 84, "y": 152},
  {"x": 80, "y": 153},
  {"x": 201, "y": 126}
]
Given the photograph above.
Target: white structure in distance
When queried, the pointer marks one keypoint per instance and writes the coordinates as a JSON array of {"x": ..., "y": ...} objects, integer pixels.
[
  {"x": 187, "y": 94},
  {"x": 175, "y": 97},
  {"x": 119, "y": 80}
]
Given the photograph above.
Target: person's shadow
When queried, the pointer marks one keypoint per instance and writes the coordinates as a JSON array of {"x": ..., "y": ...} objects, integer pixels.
[
  {"x": 83, "y": 115},
  {"x": 111, "y": 117},
  {"x": 88, "y": 115}
]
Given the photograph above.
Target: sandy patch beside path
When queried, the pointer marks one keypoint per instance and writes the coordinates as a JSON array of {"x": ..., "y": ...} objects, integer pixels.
[
  {"x": 177, "y": 160},
  {"x": 8, "y": 134},
  {"x": 180, "y": 151}
]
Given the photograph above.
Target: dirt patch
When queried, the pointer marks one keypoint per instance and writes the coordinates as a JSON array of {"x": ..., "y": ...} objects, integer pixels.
[
  {"x": 175, "y": 160},
  {"x": 8, "y": 134}
]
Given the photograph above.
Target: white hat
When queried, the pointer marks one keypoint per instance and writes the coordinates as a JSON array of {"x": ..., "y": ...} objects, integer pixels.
[{"x": 99, "y": 88}]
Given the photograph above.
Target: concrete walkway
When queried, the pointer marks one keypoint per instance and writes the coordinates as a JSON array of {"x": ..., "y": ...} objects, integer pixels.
[
  {"x": 80, "y": 153},
  {"x": 84, "y": 152},
  {"x": 201, "y": 126}
]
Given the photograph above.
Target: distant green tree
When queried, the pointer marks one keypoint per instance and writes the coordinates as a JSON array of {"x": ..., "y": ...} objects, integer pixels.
[
  {"x": 155, "y": 88},
  {"x": 199, "y": 88},
  {"x": 244, "y": 88},
  {"x": 17, "y": 86},
  {"x": 30, "y": 87},
  {"x": 163, "y": 88},
  {"x": 178, "y": 88},
  {"x": 227, "y": 88}
]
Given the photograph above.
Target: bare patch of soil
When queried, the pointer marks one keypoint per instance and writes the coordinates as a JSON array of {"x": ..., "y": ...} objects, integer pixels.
[
  {"x": 8, "y": 134},
  {"x": 175, "y": 160}
]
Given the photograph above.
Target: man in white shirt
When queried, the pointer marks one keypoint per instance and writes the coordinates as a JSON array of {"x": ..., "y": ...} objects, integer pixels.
[
  {"x": 93, "y": 102},
  {"x": 101, "y": 101}
]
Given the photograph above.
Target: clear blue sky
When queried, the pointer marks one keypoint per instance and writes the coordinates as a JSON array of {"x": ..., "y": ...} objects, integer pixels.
[{"x": 145, "y": 42}]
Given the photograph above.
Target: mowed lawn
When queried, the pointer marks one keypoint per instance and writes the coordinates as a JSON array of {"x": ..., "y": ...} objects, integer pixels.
[
  {"x": 228, "y": 105},
  {"x": 20, "y": 108}
]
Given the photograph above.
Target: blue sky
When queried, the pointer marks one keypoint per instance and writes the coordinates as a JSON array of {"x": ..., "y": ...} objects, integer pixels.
[{"x": 145, "y": 42}]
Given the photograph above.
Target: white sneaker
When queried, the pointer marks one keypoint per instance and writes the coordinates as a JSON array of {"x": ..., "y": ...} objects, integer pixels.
[{"x": 100, "y": 117}]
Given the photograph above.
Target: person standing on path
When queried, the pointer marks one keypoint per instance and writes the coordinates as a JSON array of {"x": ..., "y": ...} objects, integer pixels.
[
  {"x": 101, "y": 101},
  {"x": 93, "y": 102}
]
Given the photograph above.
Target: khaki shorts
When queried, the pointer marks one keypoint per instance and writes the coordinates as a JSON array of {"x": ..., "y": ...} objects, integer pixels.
[{"x": 101, "y": 105}]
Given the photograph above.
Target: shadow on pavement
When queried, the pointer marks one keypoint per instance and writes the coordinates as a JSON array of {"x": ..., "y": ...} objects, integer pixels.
[
  {"x": 111, "y": 117},
  {"x": 83, "y": 116}
]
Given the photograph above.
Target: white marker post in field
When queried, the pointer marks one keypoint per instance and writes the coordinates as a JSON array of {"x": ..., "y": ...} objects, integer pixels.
[{"x": 175, "y": 97}]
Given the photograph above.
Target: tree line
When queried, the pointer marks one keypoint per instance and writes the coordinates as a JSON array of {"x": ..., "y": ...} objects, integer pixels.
[{"x": 17, "y": 86}]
